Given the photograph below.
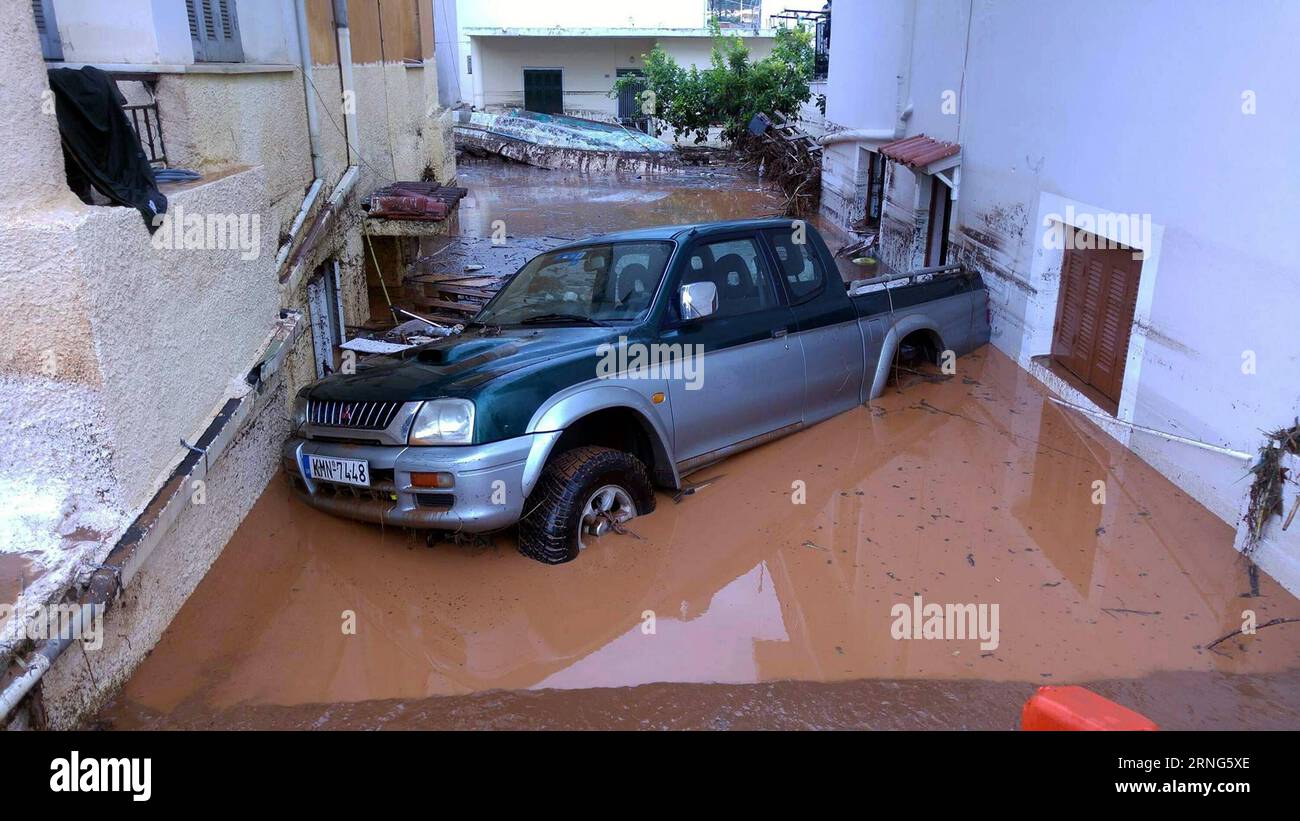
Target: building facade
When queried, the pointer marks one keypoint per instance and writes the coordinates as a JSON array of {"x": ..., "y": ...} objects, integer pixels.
[
  {"x": 1115, "y": 176},
  {"x": 565, "y": 58},
  {"x": 149, "y": 375}
]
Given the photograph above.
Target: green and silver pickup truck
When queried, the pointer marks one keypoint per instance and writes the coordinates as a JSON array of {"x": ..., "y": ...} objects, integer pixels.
[{"x": 612, "y": 366}]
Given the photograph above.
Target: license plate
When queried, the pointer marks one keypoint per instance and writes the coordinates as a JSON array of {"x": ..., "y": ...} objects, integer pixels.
[{"x": 344, "y": 471}]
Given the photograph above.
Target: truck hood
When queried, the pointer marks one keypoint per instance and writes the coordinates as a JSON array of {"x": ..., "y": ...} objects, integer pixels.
[{"x": 460, "y": 365}]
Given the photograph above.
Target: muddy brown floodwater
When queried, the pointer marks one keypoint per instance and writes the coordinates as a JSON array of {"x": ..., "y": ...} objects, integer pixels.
[
  {"x": 967, "y": 489},
  {"x": 17, "y": 572},
  {"x": 540, "y": 210},
  {"x": 534, "y": 202}
]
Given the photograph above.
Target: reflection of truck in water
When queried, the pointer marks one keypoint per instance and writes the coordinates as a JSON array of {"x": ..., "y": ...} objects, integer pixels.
[{"x": 613, "y": 365}]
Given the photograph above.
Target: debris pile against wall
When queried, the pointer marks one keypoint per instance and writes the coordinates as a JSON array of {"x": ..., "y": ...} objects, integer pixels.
[
  {"x": 788, "y": 157},
  {"x": 1266, "y": 489}
]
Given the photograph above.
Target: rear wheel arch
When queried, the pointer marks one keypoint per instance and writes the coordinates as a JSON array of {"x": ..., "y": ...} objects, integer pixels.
[{"x": 916, "y": 327}]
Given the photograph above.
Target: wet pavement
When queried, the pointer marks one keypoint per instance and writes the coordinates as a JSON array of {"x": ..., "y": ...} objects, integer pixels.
[{"x": 766, "y": 612}]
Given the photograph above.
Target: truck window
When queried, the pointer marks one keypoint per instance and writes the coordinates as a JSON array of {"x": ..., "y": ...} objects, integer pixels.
[
  {"x": 606, "y": 282},
  {"x": 736, "y": 269},
  {"x": 799, "y": 265}
]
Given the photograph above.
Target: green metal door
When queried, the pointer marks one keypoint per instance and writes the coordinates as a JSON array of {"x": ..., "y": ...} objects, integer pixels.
[{"x": 544, "y": 90}]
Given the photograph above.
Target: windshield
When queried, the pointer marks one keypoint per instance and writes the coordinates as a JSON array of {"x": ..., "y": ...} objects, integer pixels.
[{"x": 612, "y": 282}]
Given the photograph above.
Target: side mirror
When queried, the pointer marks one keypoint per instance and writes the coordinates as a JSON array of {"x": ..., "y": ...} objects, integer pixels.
[{"x": 698, "y": 299}]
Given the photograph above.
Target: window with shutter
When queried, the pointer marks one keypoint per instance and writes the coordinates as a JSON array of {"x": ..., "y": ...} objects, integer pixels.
[
  {"x": 48, "y": 29},
  {"x": 1094, "y": 313},
  {"x": 214, "y": 31}
]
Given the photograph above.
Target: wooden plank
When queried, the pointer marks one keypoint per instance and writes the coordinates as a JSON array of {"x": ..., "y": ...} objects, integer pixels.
[
  {"x": 426, "y": 23},
  {"x": 441, "y": 304},
  {"x": 320, "y": 28},
  {"x": 363, "y": 22},
  {"x": 412, "y": 48},
  {"x": 469, "y": 281},
  {"x": 461, "y": 290}
]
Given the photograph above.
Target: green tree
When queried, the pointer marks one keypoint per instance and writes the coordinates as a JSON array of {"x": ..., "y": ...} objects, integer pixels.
[{"x": 731, "y": 90}]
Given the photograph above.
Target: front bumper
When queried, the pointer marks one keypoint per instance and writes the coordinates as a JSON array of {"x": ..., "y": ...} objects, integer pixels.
[{"x": 491, "y": 482}]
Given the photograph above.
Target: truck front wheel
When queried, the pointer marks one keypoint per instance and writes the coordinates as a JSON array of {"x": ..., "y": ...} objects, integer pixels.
[{"x": 582, "y": 494}]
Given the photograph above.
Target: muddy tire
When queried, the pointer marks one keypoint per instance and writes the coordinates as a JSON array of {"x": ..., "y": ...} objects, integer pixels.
[{"x": 550, "y": 531}]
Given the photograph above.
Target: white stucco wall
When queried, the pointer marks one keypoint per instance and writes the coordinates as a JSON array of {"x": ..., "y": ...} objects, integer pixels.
[
  {"x": 122, "y": 31},
  {"x": 1090, "y": 111},
  {"x": 143, "y": 32}
]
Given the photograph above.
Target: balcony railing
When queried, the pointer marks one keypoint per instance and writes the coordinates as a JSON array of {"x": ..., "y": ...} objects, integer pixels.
[
  {"x": 144, "y": 117},
  {"x": 736, "y": 15}
]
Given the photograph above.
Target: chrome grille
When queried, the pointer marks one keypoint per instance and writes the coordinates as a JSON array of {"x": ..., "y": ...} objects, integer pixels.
[{"x": 352, "y": 415}]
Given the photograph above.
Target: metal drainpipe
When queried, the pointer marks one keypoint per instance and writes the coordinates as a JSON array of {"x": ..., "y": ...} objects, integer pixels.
[
  {"x": 903, "y": 107},
  {"x": 859, "y": 135},
  {"x": 344, "y": 35},
  {"x": 102, "y": 591},
  {"x": 309, "y": 92},
  {"x": 325, "y": 217},
  {"x": 305, "y": 63},
  {"x": 902, "y": 103}
]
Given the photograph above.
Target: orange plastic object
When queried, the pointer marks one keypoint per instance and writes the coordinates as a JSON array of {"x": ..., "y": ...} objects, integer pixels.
[{"x": 1078, "y": 708}]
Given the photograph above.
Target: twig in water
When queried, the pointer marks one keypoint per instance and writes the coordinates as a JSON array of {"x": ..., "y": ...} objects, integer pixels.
[
  {"x": 1239, "y": 631},
  {"x": 1111, "y": 611}
]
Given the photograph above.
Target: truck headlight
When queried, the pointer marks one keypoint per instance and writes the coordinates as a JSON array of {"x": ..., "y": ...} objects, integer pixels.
[
  {"x": 299, "y": 417},
  {"x": 444, "y": 422}
]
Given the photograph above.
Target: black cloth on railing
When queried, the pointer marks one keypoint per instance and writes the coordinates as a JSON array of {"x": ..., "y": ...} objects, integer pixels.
[{"x": 100, "y": 148}]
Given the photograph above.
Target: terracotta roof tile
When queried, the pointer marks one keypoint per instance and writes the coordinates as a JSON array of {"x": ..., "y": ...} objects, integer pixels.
[{"x": 919, "y": 151}]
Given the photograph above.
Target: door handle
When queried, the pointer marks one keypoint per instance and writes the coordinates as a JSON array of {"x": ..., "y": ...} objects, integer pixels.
[{"x": 780, "y": 332}]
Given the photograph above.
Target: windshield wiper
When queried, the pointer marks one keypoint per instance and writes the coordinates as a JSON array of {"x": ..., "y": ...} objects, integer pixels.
[{"x": 584, "y": 320}]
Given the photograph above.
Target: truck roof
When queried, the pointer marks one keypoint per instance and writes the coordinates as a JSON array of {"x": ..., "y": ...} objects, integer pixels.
[{"x": 677, "y": 232}]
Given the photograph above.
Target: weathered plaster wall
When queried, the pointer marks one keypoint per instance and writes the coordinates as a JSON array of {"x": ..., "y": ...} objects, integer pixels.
[
  {"x": 173, "y": 327},
  {"x": 213, "y": 121},
  {"x": 80, "y": 682},
  {"x": 116, "y": 348},
  {"x": 120, "y": 349},
  {"x": 34, "y": 165}
]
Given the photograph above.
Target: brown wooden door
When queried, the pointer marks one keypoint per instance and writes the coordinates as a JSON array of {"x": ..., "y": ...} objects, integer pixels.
[{"x": 1094, "y": 315}]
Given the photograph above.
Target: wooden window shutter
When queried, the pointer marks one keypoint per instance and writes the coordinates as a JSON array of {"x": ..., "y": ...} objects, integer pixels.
[
  {"x": 48, "y": 28},
  {"x": 1068, "y": 314},
  {"x": 214, "y": 31},
  {"x": 1118, "y": 300},
  {"x": 1094, "y": 317}
]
